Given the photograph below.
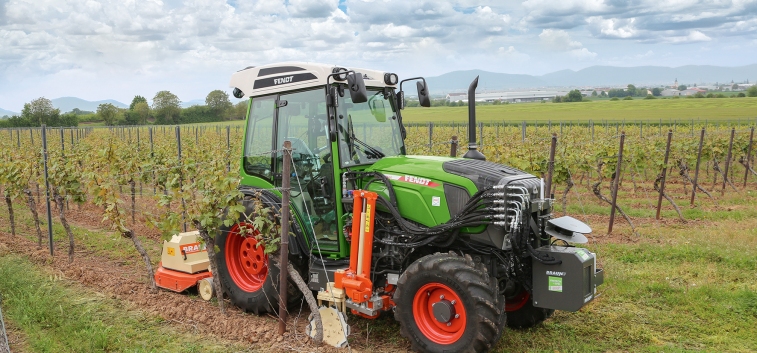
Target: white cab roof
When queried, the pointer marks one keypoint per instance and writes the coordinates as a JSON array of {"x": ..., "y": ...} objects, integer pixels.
[{"x": 279, "y": 77}]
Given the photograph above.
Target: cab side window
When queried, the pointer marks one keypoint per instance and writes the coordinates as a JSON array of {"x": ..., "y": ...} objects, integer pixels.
[{"x": 259, "y": 141}]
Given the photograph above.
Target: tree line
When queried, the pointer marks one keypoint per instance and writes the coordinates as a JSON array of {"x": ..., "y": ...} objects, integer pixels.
[{"x": 166, "y": 109}]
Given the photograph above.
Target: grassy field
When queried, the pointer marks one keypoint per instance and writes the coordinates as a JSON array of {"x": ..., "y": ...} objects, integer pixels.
[
  {"x": 637, "y": 109},
  {"x": 55, "y": 315}
]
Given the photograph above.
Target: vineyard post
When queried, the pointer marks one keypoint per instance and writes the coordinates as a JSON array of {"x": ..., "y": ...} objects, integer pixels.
[
  {"x": 152, "y": 155},
  {"x": 431, "y": 135},
  {"x": 728, "y": 161},
  {"x": 550, "y": 125},
  {"x": 284, "y": 260},
  {"x": 664, "y": 172},
  {"x": 181, "y": 182},
  {"x": 692, "y": 127},
  {"x": 31, "y": 135},
  {"x": 592, "y": 131},
  {"x": 641, "y": 130},
  {"x": 453, "y": 147},
  {"x": 18, "y": 138},
  {"x": 748, "y": 156},
  {"x": 140, "y": 179},
  {"x": 497, "y": 131},
  {"x": 616, "y": 182},
  {"x": 47, "y": 189},
  {"x": 228, "y": 146},
  {"x": 62, "y": 142},
  {"x": 523, "y": 131},
  {"x": 550, "y": 167},
  {"x": 696, "y": 171},
  {"x": 481, "y": 133},
  {"x": 660, "y": 126},
  {"x": 561, "y": 128}
]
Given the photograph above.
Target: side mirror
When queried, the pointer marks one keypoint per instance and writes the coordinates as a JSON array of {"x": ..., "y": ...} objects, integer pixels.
[
  {"x": 378, "y": 110},
  {"x": 401, "y": 100},
  {"x": 356, "y": 85},
  {"x": 423, "y": 98}
]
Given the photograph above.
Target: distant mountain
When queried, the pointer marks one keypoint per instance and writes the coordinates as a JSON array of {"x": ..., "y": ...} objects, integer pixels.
[
  {"x": 458, "y": 81},
  {"x": 9, "y": 113},
  {"x": 67, "y": 104},
  {"x": 192, "y": 102},
  {"x": 650, "y": 75}
]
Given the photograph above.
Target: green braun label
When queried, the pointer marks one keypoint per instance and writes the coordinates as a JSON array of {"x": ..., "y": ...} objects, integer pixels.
[
  {"x": 582, "y": 254},
  {"x": 555, "y": 284}
]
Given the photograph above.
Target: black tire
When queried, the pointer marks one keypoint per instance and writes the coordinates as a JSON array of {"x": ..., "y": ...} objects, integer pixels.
[
  {"x": 527, "y": 315},
  {"x": 264, "y": 299},
  {"x": 470, "y": 283}
]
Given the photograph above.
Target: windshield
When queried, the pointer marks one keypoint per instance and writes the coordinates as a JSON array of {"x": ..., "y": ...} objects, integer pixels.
[{"x": 368, "y": 131}]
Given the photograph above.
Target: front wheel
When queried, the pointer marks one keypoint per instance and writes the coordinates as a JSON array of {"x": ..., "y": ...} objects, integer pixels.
[
  {"x": 248, "y": 275},
  {"x": 447, "y": 303},
  {"x": 521, "y": 312}
]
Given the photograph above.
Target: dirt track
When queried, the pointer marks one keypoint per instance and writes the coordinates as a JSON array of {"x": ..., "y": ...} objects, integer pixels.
[{"x": 128, "y": 283}]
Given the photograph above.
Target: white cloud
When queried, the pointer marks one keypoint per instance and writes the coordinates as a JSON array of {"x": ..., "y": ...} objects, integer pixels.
[
  {"x": 582, "y": 53},
  {"x": 558, "y": 40},
  {"x": 512, "y": 54},
  {"x": 692, "y": 37},
  {"x": 612, "y": 27}
]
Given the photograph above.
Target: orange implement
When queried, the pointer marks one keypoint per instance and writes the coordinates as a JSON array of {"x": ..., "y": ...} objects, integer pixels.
[
  {"x": 356, "y": 281},
  {"x": 178, "y": 281}
]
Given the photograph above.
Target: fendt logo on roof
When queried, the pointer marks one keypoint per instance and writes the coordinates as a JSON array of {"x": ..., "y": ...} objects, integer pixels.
[{"x": 282, "y": 80}]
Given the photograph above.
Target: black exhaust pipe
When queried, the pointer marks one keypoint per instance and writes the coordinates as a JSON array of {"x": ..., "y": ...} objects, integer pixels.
[{"x": 473, "y": 152}]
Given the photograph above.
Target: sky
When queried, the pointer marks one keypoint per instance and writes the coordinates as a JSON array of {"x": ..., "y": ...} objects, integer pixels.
[{"x": 99, "y": 50}]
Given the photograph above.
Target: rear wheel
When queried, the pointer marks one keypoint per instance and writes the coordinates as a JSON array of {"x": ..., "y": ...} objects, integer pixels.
[
  {"x": 248, "y": 275},
  {"x": 447, "y": 303},
  {"x": 521, "y": 312}
]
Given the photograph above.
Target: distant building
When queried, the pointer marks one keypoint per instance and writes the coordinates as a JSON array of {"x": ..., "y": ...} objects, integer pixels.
[
  {"x": 454, "y": 97},
  {"x": 692, "y": 91},
  {"x": 507, "y": 96},
  {"x": 669, "y": 92}
]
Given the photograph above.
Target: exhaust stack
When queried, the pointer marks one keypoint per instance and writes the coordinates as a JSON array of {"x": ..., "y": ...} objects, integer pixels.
[{"x": 473, "y": 152}]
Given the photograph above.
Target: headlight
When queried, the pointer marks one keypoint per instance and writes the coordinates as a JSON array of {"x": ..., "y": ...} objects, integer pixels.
[
  {"x": 340, "y": 77},
  {"x": 238, "y": 93},
  {"x": 390, "y": 79}
]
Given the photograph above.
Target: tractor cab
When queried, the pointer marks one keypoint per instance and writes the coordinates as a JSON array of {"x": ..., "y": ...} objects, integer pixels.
[{"x": 337, "y": 119}]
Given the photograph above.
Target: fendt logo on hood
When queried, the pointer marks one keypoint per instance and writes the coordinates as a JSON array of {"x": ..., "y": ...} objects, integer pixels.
[{"x": 412, "y": 179}]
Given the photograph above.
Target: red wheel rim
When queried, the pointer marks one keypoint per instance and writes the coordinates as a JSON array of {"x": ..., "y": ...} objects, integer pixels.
[
  {"x": 517, "y": 301},
  {"x": 423, "y": 311},
  {"x": 246, "y": 261}
]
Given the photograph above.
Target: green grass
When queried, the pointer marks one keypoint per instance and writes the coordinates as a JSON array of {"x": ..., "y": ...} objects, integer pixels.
[
  {"x": 637, "y": 109},
  {"x": 55, "y": 316}
]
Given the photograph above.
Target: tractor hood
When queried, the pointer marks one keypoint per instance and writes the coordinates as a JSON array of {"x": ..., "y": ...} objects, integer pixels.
[
  {"x": 432, "y": 189},
  {"x": 422, "y": 170},
  {"x": 471, "y": 174}
]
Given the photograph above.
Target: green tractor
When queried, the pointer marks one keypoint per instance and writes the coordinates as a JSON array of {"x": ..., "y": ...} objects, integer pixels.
[{"x": 457, "y": 248}]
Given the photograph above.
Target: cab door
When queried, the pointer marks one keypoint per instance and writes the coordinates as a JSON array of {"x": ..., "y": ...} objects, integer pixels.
[{"x": 302, "y": 119}]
